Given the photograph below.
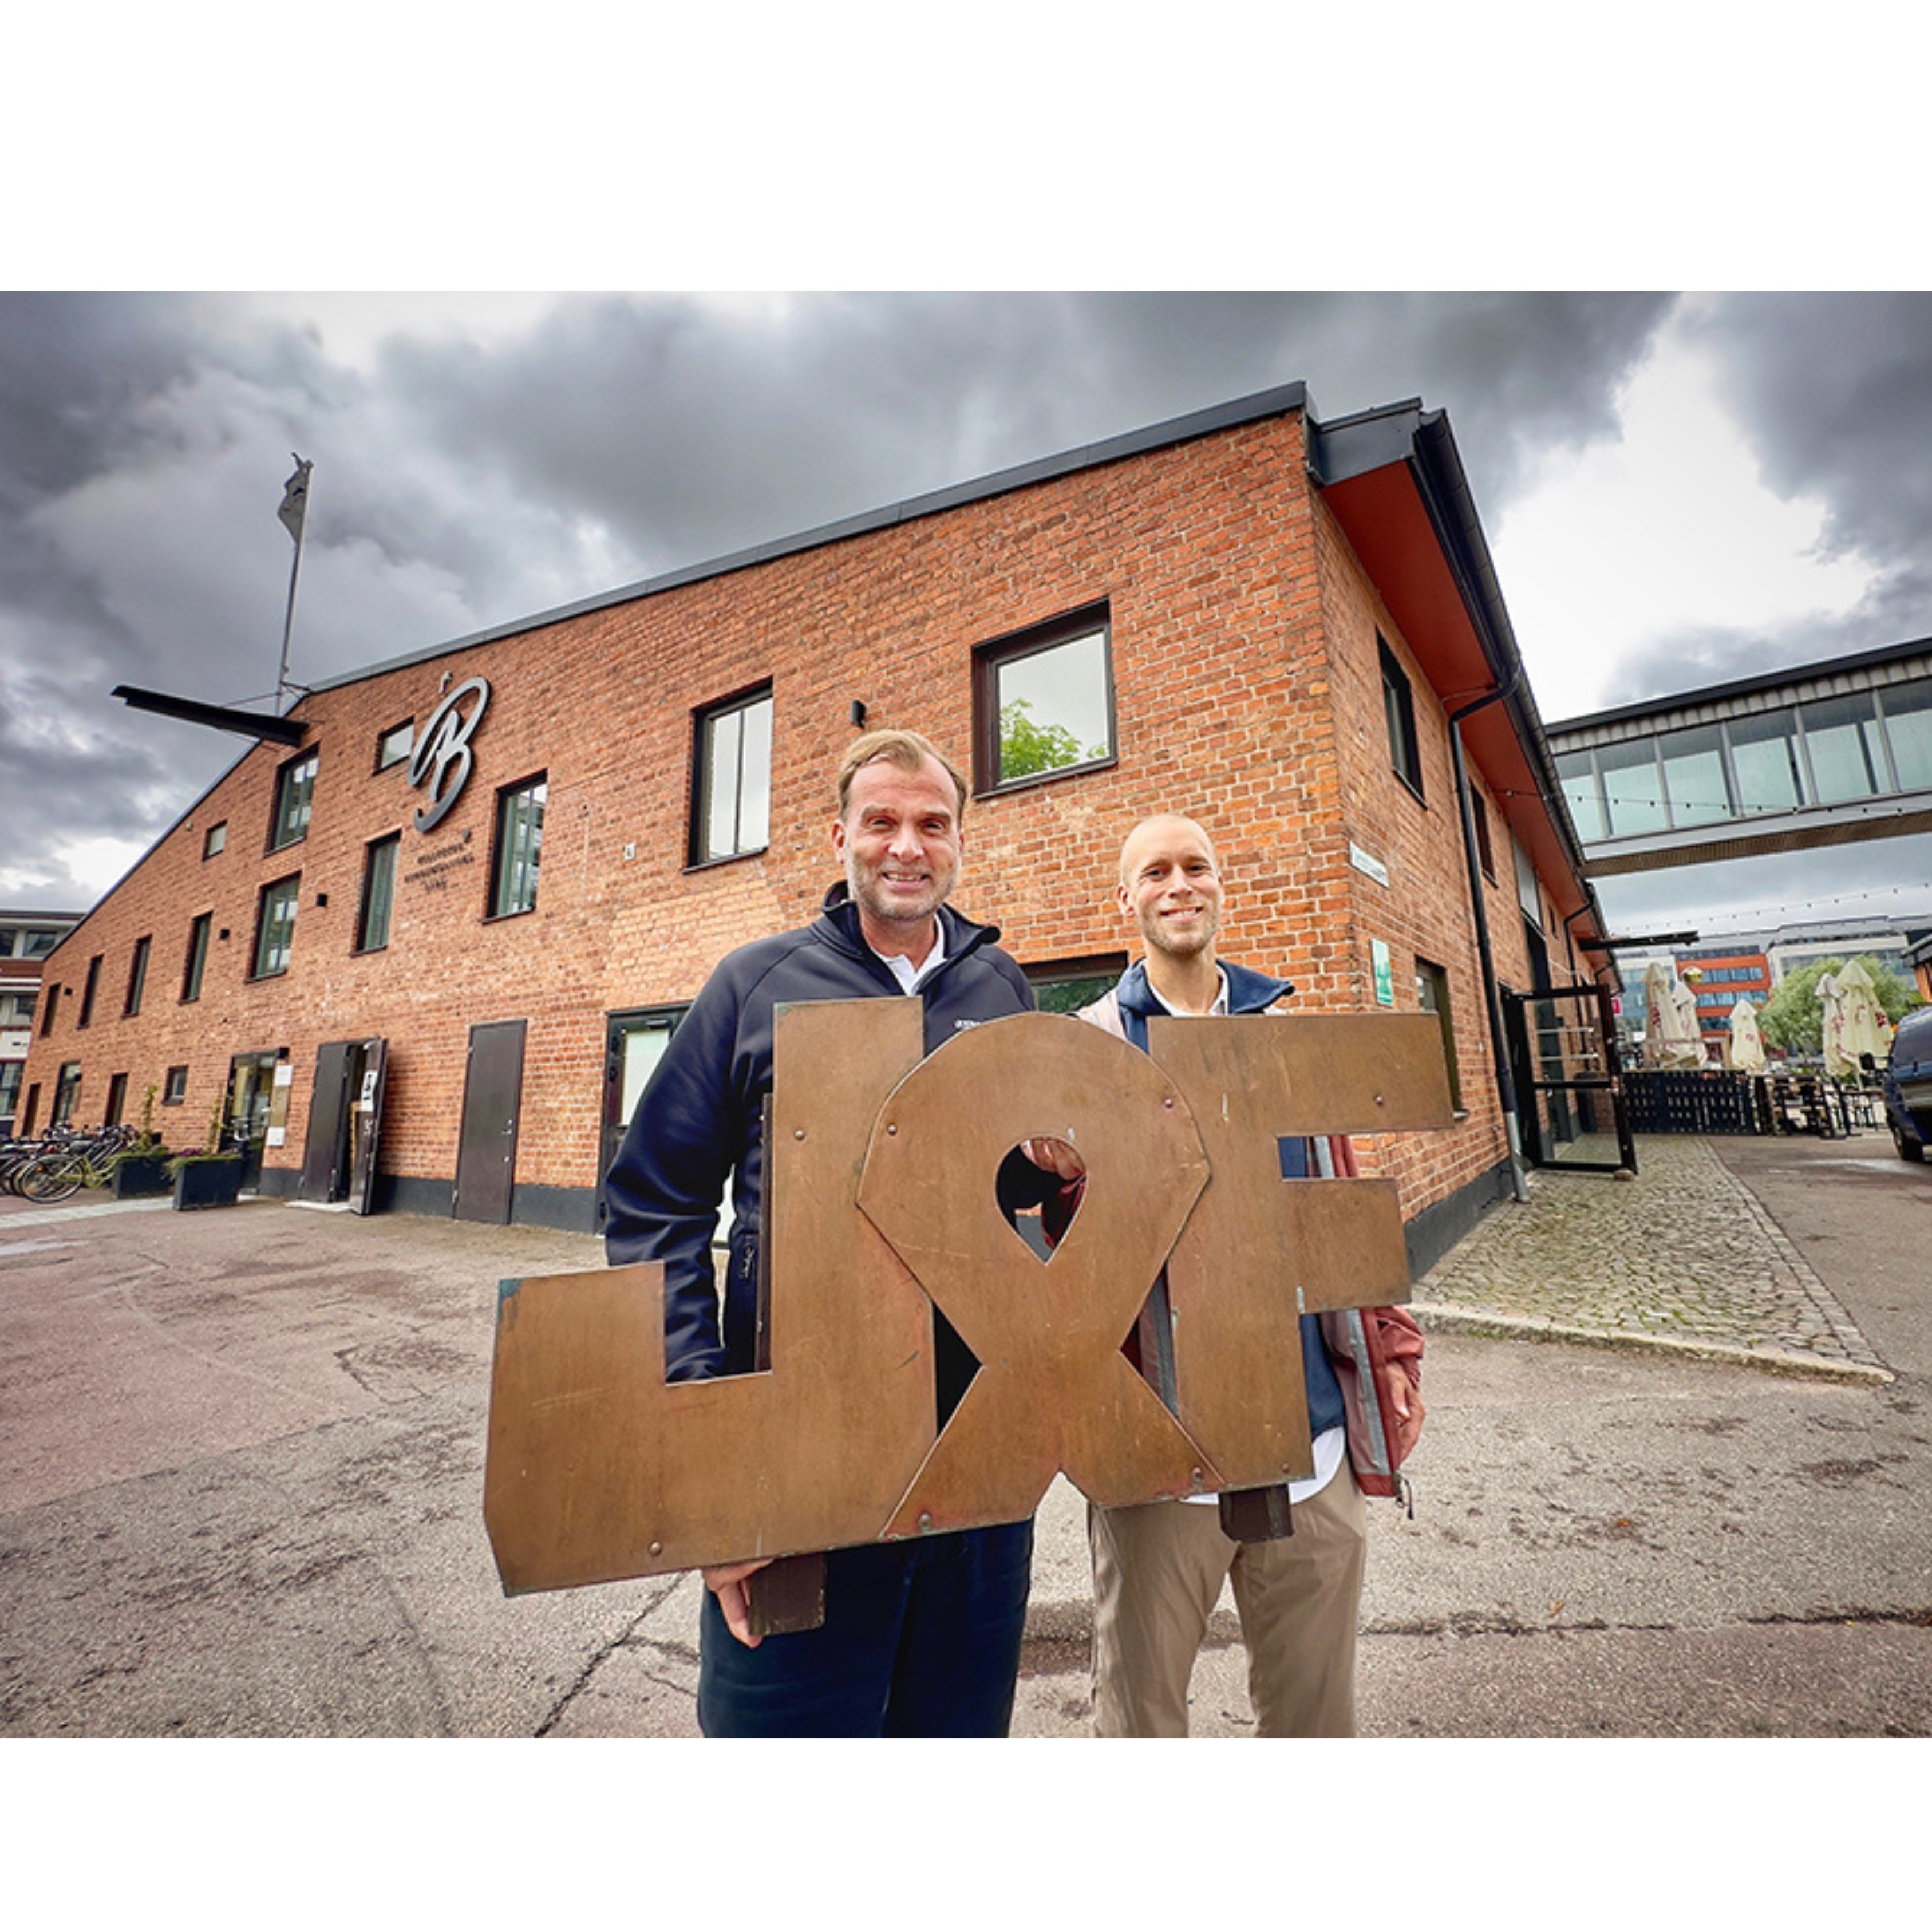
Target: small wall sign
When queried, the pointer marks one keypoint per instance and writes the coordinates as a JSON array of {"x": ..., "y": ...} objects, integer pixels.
[{"x": 1368, "y": 863}]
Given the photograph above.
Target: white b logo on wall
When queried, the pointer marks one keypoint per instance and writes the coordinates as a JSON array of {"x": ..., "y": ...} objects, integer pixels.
[{"x": 443, "y": 755}]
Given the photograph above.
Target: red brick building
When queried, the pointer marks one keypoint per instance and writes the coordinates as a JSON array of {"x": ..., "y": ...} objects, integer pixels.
[{"x": 511, "y": 858}]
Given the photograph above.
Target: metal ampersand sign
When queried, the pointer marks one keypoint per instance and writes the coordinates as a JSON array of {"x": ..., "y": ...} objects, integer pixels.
[
  {"x": 443, "y": 755},
  {"x": 879, "y": 1179}
]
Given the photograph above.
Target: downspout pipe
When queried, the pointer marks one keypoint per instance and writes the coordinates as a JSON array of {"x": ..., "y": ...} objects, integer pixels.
[{"x": 1506, "y": 1093}]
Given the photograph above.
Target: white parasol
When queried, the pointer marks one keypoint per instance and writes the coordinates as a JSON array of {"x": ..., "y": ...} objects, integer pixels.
[
  {"x": 1854, "y": 1022},
  {"x": 1671, "y": 1038},
  {"x": 1746, "y": 1044}
]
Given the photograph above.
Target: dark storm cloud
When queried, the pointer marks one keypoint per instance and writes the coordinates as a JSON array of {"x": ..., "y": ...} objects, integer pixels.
[{"x": 698, "y": 431}]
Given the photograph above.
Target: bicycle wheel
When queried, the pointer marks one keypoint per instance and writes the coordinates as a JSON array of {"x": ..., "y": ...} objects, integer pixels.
[{"x": 49, "y": 1180}]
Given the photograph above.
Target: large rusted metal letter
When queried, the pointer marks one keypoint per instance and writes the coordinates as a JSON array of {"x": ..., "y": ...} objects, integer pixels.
[
  {"x": 1258, "y": 1251},
  {"x": 598, "y": 1469}
]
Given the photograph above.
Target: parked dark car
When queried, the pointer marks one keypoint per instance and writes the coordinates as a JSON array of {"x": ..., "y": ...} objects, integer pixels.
[{"x": 1908, "y": 1085}]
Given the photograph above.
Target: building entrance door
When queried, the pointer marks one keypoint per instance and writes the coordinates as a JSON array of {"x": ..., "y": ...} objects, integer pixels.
[
  {"x": 251, "y": 1094},
  {"x": 486, "y": 1155},
  {"x": 344, "y": 1116}
]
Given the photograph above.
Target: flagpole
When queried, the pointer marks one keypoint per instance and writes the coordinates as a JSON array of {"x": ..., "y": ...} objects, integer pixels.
[{"x": 293, "y": 514}]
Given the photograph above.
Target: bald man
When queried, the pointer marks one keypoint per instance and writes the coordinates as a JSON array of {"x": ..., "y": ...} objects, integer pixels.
[{"x": 1158, "y": 1569}]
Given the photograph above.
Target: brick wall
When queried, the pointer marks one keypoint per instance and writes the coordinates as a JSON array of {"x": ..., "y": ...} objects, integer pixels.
[{"x": 1248, "y": 694}]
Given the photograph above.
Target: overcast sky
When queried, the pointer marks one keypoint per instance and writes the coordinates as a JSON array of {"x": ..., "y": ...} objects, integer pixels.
[{"x": 1677, "y": 490}]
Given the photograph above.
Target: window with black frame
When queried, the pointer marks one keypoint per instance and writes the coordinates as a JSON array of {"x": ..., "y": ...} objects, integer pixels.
[
  {"x": 1398, "y": 709},
  {"x": 520, "y": 819},
  {"x": 731, "y": 787},
  {"x": 196, "y": 961},
  {"x": 1431, "y": 995},
  {"x": 379, "y": 893},
  {"x": 1043, "y": 702},
  {"x": 137, "y": 979},
  {"x": 275, "y": 927},
  {"x": 295, "y": 801},
  {"x": 1064, "y": 986}
]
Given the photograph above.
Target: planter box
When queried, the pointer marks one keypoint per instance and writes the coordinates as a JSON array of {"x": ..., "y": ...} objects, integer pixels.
[
  {"x": 145, "y": 1174},
  {"x": 208, "y": 1183}
]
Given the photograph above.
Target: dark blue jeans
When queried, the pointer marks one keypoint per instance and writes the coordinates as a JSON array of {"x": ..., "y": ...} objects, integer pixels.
[{"x": 921, "y": 1639}]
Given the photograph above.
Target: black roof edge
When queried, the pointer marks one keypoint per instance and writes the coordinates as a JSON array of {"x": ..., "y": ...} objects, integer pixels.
[
  {"x": 1283, "y": 399},
  {"x": 1353, "y": 445},
  {"x": 1742, "y": 687}
]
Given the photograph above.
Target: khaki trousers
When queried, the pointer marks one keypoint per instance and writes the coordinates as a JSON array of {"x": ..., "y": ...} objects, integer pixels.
[{"x": 1158, "y": 1570}]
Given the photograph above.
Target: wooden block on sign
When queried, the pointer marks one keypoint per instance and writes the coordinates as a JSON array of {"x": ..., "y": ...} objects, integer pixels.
[
  {"x": 787, "y": 1595},
  {"x": 1257, "y": 1516}
]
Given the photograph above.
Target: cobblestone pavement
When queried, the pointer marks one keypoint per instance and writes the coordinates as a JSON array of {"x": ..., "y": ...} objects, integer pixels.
[{"x": 1681, "y": 1258}]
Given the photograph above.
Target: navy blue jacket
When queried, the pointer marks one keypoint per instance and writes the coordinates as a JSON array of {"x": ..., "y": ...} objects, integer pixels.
[{"x": 700, "y": 1118}]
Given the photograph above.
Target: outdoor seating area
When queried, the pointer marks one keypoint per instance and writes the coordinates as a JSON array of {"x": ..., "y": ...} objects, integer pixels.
[{"x": 1721, "y": 1101}]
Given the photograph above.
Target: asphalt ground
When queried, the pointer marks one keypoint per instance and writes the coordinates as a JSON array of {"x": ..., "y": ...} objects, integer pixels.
[{"x": 1671, "y": 1486}]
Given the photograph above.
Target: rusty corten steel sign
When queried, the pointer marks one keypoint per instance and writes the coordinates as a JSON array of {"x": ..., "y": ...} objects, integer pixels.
[{"x": 879, "y": 1173}]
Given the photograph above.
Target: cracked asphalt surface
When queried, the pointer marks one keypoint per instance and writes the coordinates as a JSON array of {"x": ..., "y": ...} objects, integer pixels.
[{"x": 240, "y": 1467}]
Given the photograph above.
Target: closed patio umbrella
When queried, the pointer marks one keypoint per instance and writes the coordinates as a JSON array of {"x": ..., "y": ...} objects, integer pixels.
[
  {"x": 1747, "y": 1043},
  {"x": 1671, "y": 1038},
  {"x": 1863, "y": 1027},
  {"x": 1839, "y": 1062}
]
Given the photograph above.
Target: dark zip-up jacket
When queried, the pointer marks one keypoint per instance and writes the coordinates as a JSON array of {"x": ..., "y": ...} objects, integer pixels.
[{"x": 700, "y": 1119}]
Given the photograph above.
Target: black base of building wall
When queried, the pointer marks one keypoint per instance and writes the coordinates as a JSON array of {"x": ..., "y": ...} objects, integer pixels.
[
  {"x": 1436, "y": 1230},
  {"x": 573, "y": 1211},
  {"x": 405, "y": 1194}
]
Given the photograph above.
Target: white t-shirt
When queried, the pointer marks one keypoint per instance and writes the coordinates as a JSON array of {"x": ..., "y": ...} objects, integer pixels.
[{"x": 903, "y": 971}]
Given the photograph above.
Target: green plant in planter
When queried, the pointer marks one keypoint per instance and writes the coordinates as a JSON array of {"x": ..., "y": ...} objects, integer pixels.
[
  {"x": 201, "y": 1157},
  {"x": 139, "y": 1170}
]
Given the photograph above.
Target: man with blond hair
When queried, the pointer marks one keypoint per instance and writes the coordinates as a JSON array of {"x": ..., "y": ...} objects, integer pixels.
[
  {"x": 921, "y": 1638},
  {"x": 1159, "y": 1568}
]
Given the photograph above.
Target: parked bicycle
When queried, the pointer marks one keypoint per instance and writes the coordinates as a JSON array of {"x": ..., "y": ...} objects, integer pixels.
[{"x": 81, "y": 1160}]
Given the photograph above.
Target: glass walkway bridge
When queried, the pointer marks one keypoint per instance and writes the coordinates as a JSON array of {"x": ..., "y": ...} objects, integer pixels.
[{"x": 1820, "y": 754}]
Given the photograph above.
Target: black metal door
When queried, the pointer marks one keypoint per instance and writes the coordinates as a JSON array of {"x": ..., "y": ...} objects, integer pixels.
[
  {"x": 365, "y": 1122},
  {"x": 322, "y": 1163},
  {"x": 1563, "y": 1048},
  {"x": 486, "y": 1156}
]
